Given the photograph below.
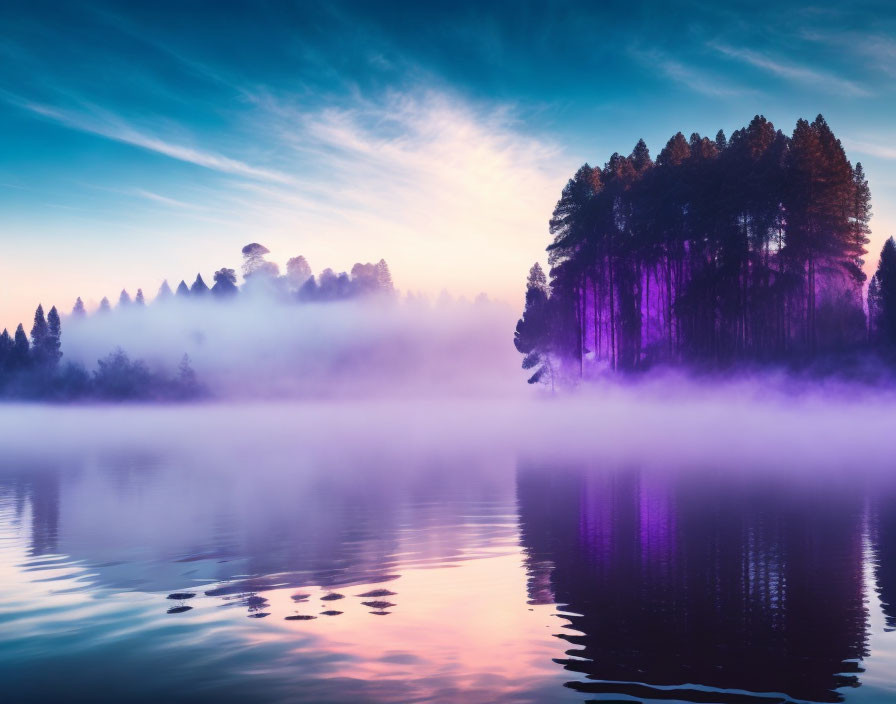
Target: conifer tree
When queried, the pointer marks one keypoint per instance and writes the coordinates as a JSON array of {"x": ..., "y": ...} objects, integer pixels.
[
  {"x": 383, "y": 277},
  {"x": 21, "y": 350},
  {"x": 186, "y": 384},
  {"x": 105, "y": 307},
  {"x": 78, "y": 311},
  {"x": 183, "y": 291},
  {"x": 874, "y": 306},
  {"x": 859, "y": 220},
  {"x": 198, "y": 288},
  {"x": 721, "y": 141},
  {"x": 532, "y": 336},
  {"x": 53, "y": 343},
  {"x": 886, "y": 282},
  {"x": 124, "y": 299},
  {"x": 164, "y": 292},
  {"x": 139, "y": 300},
  {"x": 6, "y": 345},
  {"x": 39, "y": 333}
]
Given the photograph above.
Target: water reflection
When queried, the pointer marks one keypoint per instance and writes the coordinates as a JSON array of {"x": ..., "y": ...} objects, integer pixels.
[
  {"x": 395, "y": 577},
  {"x": 392, "y": 575},
  {"x": 883, "y": 540},
  {"x": 676, "y": 585}
]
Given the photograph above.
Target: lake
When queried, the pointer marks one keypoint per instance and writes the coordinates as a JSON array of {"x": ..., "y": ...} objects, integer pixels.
[{"x": 313, "y": 554}]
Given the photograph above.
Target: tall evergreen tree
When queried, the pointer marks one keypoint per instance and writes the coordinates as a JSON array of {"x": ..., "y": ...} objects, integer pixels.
[
  {"x": 859, "y": 221},
  {"x": 383, "y": 277},
  {"x": 39, "y": 333},
  {"x": 164, "y": 293},
  {"x": 138, "y": 299},
  {"x": 124, "y": 299},
  {"x": 198, "y": 288},
  {"x": 183, "y": 291},
  {"x": 886, "y": 282},
  {"x": 532, "y": 337},
  {"x": 21, "y": 350},
  {"x": 6, "y": 345},
  {"x": 53, "y": 341},
  {"x": 78, "y": 311},
  {"x": 874, "y": 307},
  {"x": 105, "y": 307},
  {"x": 721, "y": 141}
]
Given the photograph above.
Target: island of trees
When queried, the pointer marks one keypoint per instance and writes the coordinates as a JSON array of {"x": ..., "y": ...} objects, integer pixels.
[
  {"x": 746, "y": 249},
  {"x": 32, "y": 367}
]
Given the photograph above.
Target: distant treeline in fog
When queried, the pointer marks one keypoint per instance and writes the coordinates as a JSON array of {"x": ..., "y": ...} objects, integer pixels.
[
  {"x": 720, "y": 252},
  {"x": 32, "y": 368}
]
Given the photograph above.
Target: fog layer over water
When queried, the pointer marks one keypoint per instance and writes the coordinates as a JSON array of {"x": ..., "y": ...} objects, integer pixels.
[
  {"x": 258, "y": 346},
  {"x": 736, "y": 546},
  {"x": 756, "y": 423}
]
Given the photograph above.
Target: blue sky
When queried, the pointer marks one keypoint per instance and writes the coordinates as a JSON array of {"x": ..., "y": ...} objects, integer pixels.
[{"x": 152, "y": 141}]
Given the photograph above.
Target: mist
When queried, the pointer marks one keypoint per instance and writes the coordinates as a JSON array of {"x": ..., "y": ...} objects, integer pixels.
[
  {"x": 748, "y": 425},
  {"x": 258, "y": 347}
]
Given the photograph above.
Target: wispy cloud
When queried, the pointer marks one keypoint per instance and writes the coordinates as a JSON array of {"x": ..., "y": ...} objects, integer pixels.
[
  {"x": 695, "y": 79},
  {"x": 882, "y": 151},
  {"x": 103, "y": 123},
  {"x": 158, "y": 198},
  {"x": 790, "y": 71}
]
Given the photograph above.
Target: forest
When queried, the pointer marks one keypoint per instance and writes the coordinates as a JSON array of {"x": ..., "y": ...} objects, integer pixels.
[
  {"x": 723, "y": 251},
  {"x": 32, "y": 367}
]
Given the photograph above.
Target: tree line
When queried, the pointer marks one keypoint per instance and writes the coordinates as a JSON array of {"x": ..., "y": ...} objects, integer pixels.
[
  {"x": 32, "y": 368},
  {"x": 723, "y": 250},
  {"x": 261, "y": 276}
]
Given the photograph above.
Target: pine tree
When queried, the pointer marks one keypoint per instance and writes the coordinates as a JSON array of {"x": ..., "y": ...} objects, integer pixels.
[
  {"x": 39, "y": 333},
  {"x": 198, "y": 288},
  {"x": 874, "y": 306},
  {"x": 124, "y": 299},
  {"x": 721, "y": 141},
  {"x": 532, "y": 336},
  {"x": 6, "y": 345},
  {"x": 886, "y": 281},
  {"x": 383, "y": 277},
  {"x": 79, "y": 311},
  {"x": 164, "y": 293},
  {"x": 186, "y": 385},
  {"x": 859, "y": 220},
  {"x": 640, "y": 157},
  {"x": 139, "y": 300},
  {"x": 183, "y": 291},
  {"x": 105, "y": 307},
  {"x": 21, "y": 350},
  {"x": 53, "y": 342}
]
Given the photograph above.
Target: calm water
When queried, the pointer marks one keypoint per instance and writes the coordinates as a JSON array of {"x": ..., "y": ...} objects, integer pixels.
[{"x": 226, "y": 568}]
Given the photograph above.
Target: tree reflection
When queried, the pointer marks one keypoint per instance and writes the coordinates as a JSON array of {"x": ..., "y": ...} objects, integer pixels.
[{"x": 675, "y": 586}]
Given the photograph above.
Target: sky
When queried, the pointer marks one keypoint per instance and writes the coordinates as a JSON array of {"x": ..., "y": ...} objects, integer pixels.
[{"x": 150, "y": 141}]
